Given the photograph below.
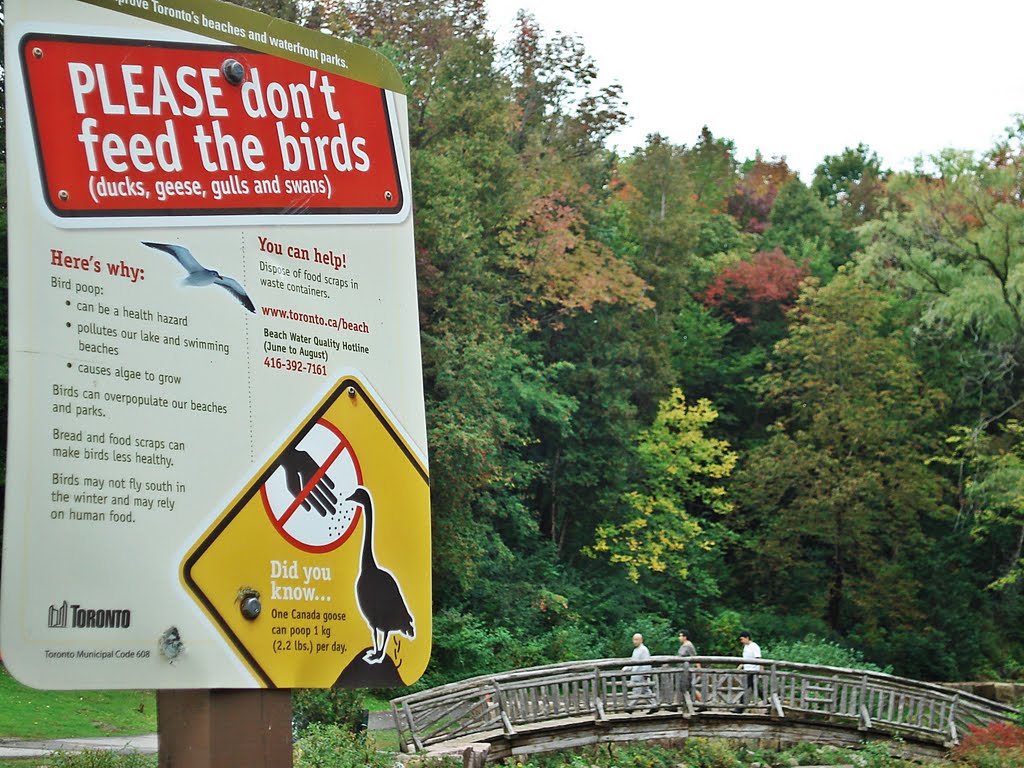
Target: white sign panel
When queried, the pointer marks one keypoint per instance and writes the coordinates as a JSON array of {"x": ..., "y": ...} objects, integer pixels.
[{"x": 216, "y": 414}]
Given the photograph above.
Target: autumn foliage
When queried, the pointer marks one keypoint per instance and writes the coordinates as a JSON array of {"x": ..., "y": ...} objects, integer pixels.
[
  {"x": 760, "y": 289},
  {"x": 755, "y": 194},
  {"x": 563, "y": 269},
  {"x": 994, "y": 744}
]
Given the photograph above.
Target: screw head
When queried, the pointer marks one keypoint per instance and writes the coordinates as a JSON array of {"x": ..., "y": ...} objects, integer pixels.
[
  {"x": 388, "y": 196},
  {"x": 37, "y": 52},
  {"x": 233, "y": 71},
  {"x": 64, "y": 195},
  {"x": 251, "y": 608}
]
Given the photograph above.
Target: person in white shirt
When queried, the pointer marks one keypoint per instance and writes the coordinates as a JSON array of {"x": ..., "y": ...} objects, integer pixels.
[{"x": 751, "y": 650}]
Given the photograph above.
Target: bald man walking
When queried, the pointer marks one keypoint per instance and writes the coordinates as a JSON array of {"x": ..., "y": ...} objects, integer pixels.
[{"x": 640, "y": 691}]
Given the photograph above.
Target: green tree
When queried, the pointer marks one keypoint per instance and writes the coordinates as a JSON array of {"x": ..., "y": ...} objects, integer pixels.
[
  {"x": 663, "y": 207},
  {"x": 712, "y": 167},
  {"x": 806, "y": 231},
  {"x": 853, "y": 183},
  {"x": 955, "y": 247},
  {"x": 553, "y": 87},
  {"x": 838, "y": 496},
  {"x": 992, "y": 469}
]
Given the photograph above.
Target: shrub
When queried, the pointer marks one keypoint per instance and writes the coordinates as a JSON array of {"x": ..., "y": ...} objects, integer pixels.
[
  {"x": 802, "y": 753},
  {"x": 815, "y": 650},
  {"x": 660, "y": 636},
  {"x": 993, "y": 757},
  {"x": 993, "y": 746},
  {"x": 1018, "y": 717},
  {"x": 876, "y": 754},
  {"x": 101, "y": 759},
  {"x": 725, "y": 627},
  {"x": 336, "y": 706},
  {"x": 323, "y": 745},
  {"x": 710, "y": 753}
]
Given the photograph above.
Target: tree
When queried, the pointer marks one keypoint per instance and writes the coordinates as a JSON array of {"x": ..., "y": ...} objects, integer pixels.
[
  {"x": 838, "y": 495},
  {"x": 752, "y": 201},
  {"x": 853, "y": 183},
  {"x": 757, "y": 291},
  {"x": 670, "y": 518},
  {"x": 557, "y": 105},
  {"x": 991, "y": 469},
  {"x": 711, "y": 165},
  {"x": 955, "y": 248},
  {"x": 295, "y": 11},
  {"x": 562, "y": 269},
  {"x": 807, "y": 232},
  {"x": 662, "y": 215}
]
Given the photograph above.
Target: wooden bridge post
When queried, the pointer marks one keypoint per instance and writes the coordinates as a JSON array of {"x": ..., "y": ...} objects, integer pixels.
[
  {"x": 773, "y": 690},
  {"x": 598, "y": 696},
  {"x": 953, "y": 736},
  {"x": 865, "y": 716},
  {"x": 506, "y": 723}
]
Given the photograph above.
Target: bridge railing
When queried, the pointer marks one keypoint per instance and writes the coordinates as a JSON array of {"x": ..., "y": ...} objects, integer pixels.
[{"x": 503, "y": 703}]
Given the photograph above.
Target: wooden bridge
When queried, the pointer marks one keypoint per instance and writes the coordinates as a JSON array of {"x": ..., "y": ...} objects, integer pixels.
[{"x": 561, "y": 706}]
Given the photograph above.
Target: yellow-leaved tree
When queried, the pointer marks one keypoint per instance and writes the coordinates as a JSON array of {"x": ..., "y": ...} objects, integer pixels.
[{"x": 669, "y": 518}]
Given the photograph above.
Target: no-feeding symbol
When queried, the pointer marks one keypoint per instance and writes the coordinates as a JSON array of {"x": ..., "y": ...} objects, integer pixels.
[{"x": 305, "y": 496}]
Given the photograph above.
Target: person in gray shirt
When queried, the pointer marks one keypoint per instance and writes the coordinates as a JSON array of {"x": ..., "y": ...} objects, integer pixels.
[{"x": 686, "y": 648}]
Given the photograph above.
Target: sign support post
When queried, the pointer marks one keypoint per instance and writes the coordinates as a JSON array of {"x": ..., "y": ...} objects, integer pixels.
[{"x": 225, "y": 728}]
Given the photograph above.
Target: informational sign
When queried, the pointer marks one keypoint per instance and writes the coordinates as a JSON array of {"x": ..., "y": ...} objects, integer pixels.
[
  {"x": 217, "y": 470},
  {"x": 341, "y": 505}
]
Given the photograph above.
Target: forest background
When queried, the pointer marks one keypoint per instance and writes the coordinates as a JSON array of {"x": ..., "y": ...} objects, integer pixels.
[{"x": 682, "y": 388}]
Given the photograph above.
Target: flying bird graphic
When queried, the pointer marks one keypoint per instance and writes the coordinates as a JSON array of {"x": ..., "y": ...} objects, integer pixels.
[{"x": 200, "y": 275}]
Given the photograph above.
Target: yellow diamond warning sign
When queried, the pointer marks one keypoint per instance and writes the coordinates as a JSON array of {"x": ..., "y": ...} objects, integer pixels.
[{"x": 318, "y": 573}]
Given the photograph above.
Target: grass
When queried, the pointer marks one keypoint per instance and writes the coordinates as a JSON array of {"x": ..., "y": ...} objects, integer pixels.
[
  {"x": 376, "y": 703},
  {"x": 147, "y": 761},
  {"x": 26, "y": 713}
]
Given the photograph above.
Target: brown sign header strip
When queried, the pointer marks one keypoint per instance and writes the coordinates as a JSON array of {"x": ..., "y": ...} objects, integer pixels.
[{"x": 258, "y": 32}]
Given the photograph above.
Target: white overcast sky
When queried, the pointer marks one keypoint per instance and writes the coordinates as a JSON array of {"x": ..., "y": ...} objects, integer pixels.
[{"x": 803, "y": 78}]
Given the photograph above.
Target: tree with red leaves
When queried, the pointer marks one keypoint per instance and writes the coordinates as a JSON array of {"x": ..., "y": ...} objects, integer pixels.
[{"x": 756, "y": 291}]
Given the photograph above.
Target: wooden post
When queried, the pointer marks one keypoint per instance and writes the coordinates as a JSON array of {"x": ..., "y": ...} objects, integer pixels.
[{"x": 225, "y": 728}]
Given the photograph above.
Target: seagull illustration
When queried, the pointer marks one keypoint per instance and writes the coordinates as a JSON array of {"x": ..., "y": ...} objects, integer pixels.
[{"x": 200, "y": 275}]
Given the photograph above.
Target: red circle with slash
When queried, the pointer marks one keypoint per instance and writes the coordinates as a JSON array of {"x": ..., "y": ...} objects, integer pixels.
[{"x": 307, "y": 529}]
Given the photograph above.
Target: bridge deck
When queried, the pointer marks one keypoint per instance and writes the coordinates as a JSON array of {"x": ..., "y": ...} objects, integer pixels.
[{"x": 563, "y": 705}]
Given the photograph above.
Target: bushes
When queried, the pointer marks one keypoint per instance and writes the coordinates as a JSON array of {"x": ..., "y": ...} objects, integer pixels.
[
  {"x": 997, "y": 745},
  {"x": 336, "y": 706},
  {"x": 324, "y": 745},
  {"x": 721, "y": 753},
  {"x": 101, "y": 759},
  {"x": 329, "y": 746},
  {"x": 815, "y": 650}
]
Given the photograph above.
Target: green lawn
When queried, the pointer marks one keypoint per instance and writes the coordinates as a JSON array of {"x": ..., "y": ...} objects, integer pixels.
[
  {"x": 26, "y": 713},
  {"x": 30, "y": 714}
]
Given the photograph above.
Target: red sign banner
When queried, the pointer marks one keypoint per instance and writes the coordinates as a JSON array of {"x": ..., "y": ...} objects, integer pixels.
[{"x": 136, "y": 128}]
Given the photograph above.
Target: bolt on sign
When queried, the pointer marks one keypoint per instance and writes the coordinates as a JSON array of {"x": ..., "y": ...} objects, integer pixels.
[{"x": 217, "y": 470}]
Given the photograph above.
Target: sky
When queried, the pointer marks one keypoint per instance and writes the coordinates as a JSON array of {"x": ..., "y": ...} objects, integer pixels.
[{"x": 802, "y": 78}]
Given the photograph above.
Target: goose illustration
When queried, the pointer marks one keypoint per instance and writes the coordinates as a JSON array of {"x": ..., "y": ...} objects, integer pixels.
[
  {"x": 377, "y": 593},
  {"x": 199, "y": 275}
]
